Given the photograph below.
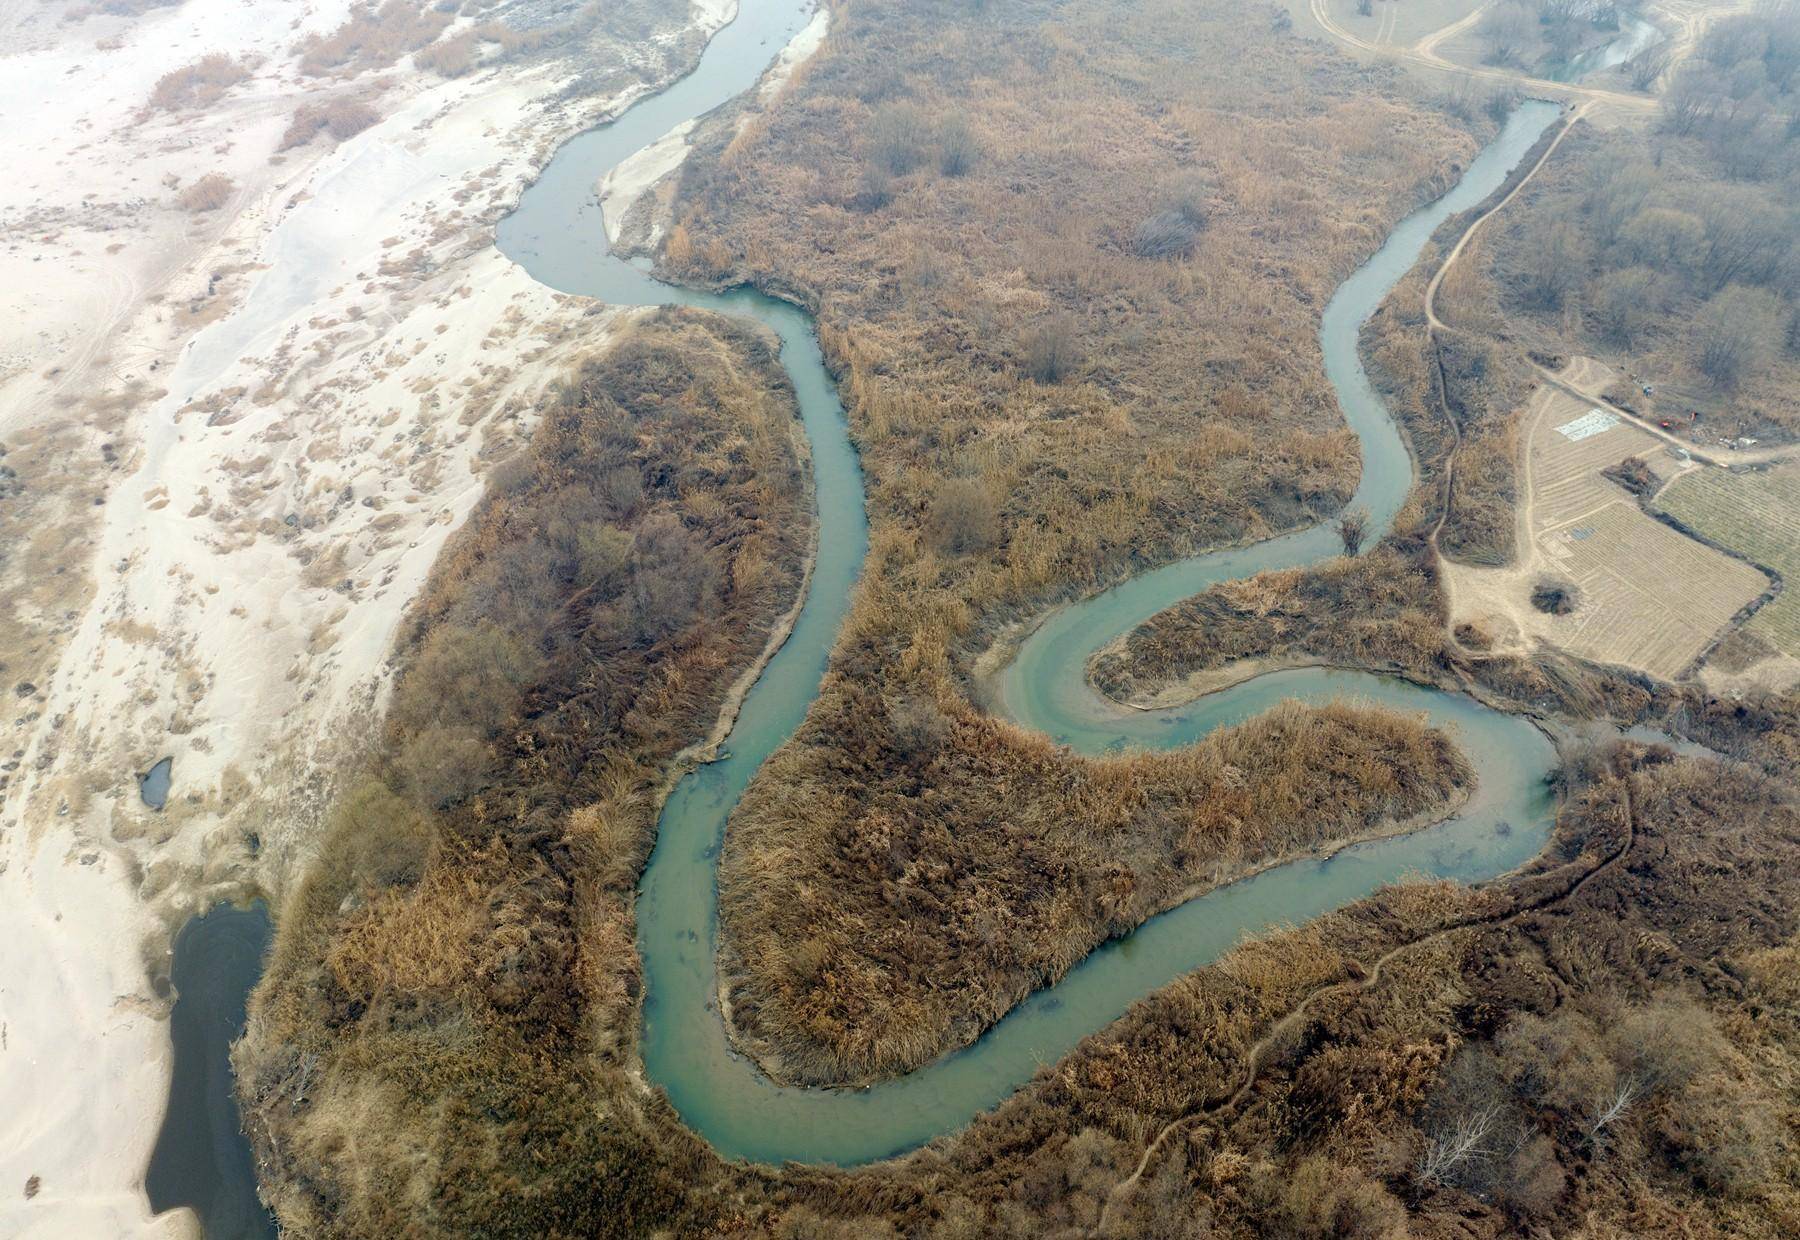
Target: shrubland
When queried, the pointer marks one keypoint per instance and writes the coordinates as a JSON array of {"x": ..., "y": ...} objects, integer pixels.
[
  {"x": 340, "y": 118},
  {"x": 459, "y": 953},
  {"x": 921, "y": 918},
  {"x": 197, "y": 85},
  {"x": 208, "y": 193},
  {"x": 1068, "y": 268}
]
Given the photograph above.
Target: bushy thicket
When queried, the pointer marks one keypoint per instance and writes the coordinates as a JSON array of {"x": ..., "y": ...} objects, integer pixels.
[
  {"x": 1678, "y": 253},
  {"x": 443, "y": 971}
]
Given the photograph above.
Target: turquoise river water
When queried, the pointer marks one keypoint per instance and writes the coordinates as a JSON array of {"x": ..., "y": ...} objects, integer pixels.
[{"x": 556, "y": 235}]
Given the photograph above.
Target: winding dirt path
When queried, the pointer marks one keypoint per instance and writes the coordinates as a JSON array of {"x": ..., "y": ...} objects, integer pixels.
[
  {"x": 1433, "y": 324},
  {"x": 1255, "y": 1057},
  {"x": 1423, "y": 55}
]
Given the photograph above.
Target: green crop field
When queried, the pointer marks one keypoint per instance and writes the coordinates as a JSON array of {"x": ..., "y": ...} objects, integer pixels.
[{"x": 1757, "y": 516}]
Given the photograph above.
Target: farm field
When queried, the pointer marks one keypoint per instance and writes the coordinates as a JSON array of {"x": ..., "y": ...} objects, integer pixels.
[
  {"x": 1643, "y": 594},
  {"x": 1758, "y": 516}
]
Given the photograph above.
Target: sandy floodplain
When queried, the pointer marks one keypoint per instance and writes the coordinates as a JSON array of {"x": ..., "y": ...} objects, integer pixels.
[{"x": 233, "y": 438}]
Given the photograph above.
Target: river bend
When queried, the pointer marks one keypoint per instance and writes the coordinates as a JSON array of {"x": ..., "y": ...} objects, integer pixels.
[{"x": 556, "y": 235}]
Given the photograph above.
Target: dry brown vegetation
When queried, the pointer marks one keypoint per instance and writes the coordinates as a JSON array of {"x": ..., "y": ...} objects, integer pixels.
[
  {"x": 450, "y": 57},
  {"x": 375, "y": 37},
  {"x": 465, "y": 934},
  {"x": 209, "y": 193},
  {"x": 908, "y": 920},
  {"x": 1616, "y": 1024},
  {"x": 447, "y": 1049},
  {"x": 1064, "y": 358},
  {"x": 196, "y": 85},
  {"x": 1385, "y": 610},
  {"x": 1381, "y": 610},
  {"x": 341, "y": 118}
]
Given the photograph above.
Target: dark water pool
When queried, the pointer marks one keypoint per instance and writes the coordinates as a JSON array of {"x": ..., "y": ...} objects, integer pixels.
[
  {"x": 153, "y": 784},
  {"x": 202, "y": 1159}
]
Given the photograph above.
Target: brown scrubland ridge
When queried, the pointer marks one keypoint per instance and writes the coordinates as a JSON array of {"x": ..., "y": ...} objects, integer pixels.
[
  {"x": 1617, "y": 1025},
  {"x": 1068, "y": 267},
  {"x": 936, "y": 914},
  {"x": 459, "y": 956}
]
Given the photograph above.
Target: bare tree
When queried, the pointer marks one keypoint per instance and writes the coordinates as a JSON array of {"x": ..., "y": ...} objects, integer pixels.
[
  {"x": 1647, "y": 67},
  {"x": 1505, "y": 32},
  {"x": 1352, "y": 527},
  {"x": 1626, "y": 1091},
  {"x": 1463, "y": 1140},
  {"x": 1553, "y": 271},
  {"x": 1693, "y": 98},
  {"x": 1623, "y": 303},
  {"x": 1737, "y": 333}
]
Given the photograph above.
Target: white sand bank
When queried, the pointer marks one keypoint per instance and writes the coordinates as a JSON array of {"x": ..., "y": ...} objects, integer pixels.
[{"x": 340, "y": 353}]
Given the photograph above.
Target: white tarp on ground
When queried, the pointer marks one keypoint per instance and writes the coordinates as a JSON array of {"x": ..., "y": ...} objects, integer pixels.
[{"x": 1589, "y": 424}]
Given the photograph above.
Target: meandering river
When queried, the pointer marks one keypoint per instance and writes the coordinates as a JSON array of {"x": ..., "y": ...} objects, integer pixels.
[{"x": 556, "y": 235}]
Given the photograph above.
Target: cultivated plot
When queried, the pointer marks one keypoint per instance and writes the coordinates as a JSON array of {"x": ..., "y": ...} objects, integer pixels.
[{"x": 1596, "y": 575}]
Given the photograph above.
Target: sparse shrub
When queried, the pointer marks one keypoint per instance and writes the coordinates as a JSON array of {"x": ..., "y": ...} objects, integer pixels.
[
  {"x": 899, "y": 136},
  {"x": 1501, "y": 103},
  {"x": 957, "y": 147},
  {"x": 450, "y": 57},
  {"x": 209, "y": 193},
  {"x": 1051, "y": 353},
  {"x": 341, "y": 118},
  {"x": 672, "y": 578},
  {"x": 1324, "y": 1200},
  {"x": 874, "y": 188},
  {"x": 1555, "y": 598},
  {"x": 439, "y": 767},
  {"x": 920, "y": 728},
  {"x": 374, "y": 38},
  {"x": 1166, "y": 234},
  {"x": 1634, "y": 475},
  {"x": 964, "y": 517},
  {"x": 1351, "y": 527},
  {"x": 196, "y": 85}
]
